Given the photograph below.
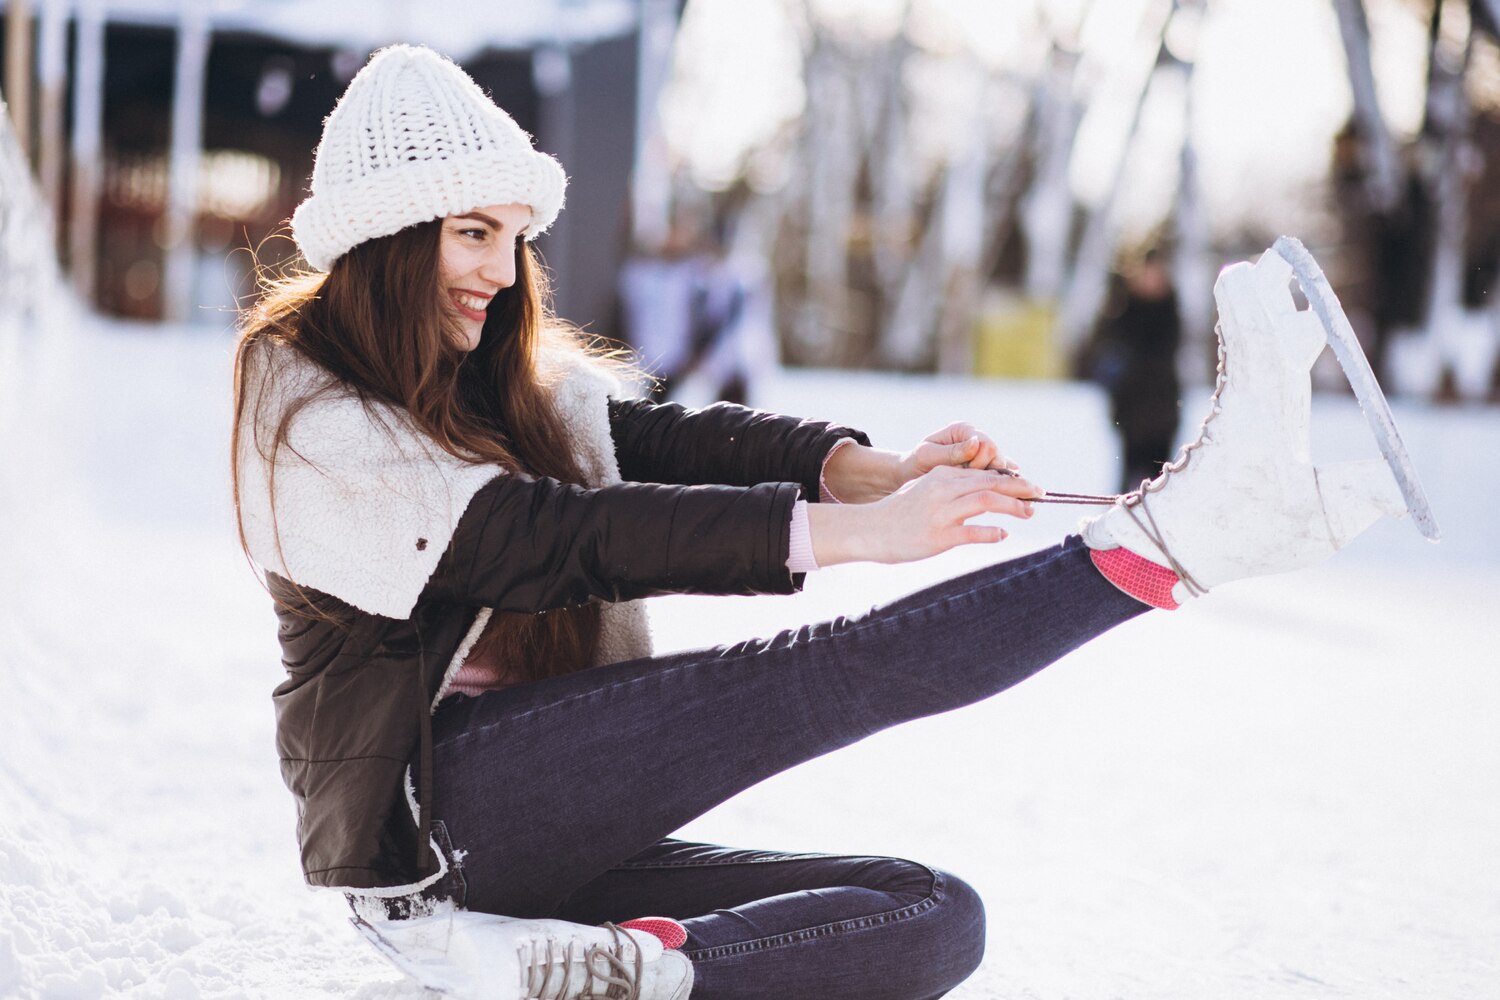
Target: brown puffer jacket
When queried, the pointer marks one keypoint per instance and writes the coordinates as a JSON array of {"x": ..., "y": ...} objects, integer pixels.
[{"x": 705, "y": 509}]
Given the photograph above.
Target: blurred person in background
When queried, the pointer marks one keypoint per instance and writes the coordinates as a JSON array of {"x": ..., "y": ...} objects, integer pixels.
[
  {"x": 658, "y": 294},
  {"x": 457, "y": 510},
  {"x": 687, "y": 312},
  {"x": 1133, "y": 356}
]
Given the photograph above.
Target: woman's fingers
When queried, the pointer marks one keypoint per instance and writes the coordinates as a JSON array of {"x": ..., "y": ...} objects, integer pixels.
[
  {"x": 981, "y": 534},
  {"x": 961, "y": 445},
  {"x": 961, "y": 533},
  {"x": 930, "y": 514},
  {"x": 989, "y": 502},
  {"x": 962, "y": 494},
  {"x": 933, "y": 454},
  {"x": 974, "y": 452},
  {"x": 957, "y": 482},
  {"x": 953, "y": 433},
  {"x": 967, "y": 453}
]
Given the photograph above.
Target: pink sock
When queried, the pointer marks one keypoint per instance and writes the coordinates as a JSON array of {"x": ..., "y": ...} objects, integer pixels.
[{"x": 1137, "y": 576}]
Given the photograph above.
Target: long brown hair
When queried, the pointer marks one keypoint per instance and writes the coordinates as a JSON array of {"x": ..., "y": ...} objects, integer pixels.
[{"x": 376, "y": 324}]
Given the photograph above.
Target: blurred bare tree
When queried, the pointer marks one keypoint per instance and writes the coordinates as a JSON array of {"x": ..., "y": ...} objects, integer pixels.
[
  {"x": 886, "y": 245},
  {"x": 893, "y": 249},
  {"x": 1422, "y": 218}
]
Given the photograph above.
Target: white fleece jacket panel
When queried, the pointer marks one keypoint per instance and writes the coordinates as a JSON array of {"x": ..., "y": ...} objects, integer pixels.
[{"x": 365, "y": 504}]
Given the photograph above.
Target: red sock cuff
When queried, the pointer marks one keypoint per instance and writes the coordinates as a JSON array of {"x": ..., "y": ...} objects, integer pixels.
[
  {"x": 1137, "y": 576},
  {"x": 671, "y": 933}
]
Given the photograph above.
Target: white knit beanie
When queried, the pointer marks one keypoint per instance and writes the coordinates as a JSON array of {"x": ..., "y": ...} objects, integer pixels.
[{"x": 413, "y": 139}]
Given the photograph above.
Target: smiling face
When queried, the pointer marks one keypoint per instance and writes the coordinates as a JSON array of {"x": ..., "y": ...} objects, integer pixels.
[{"x": 477, "y": 258}]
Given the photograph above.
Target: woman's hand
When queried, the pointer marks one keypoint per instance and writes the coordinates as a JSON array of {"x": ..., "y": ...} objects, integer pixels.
[
  {"x": 856, "y": 474},
  {"x": 962, "y": 445},
  {"x": 923, "y": 518}
]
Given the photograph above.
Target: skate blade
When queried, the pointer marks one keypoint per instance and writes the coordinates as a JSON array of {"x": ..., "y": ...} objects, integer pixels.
[
  {"x": 432, "y": 970},
  {"x": 1351, "y": 358}
]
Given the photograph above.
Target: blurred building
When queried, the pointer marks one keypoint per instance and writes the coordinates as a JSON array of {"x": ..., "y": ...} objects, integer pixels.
[{"x": 189, "y": 128}]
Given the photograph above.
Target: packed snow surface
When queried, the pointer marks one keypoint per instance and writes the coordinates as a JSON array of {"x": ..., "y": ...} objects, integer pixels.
[{"x": 1288, "y": 789}]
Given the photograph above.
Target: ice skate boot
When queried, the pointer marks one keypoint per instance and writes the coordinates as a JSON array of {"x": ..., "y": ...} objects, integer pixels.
[
  {"x": 469, "y": 956},
  {"x": 1244, "y": 499}
]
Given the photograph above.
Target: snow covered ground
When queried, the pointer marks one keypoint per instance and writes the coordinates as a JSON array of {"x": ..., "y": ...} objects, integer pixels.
[{"x": 1290, "y": 789}]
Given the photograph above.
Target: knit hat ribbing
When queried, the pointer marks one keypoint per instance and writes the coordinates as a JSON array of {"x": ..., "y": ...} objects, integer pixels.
[{"x": 412, "y": 139}]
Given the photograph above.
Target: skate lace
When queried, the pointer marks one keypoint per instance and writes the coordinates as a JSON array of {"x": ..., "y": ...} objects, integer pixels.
[
  {"x": 547, "y": 969},
  {"x": 1134, "y": 501},
  {"x": 1185, "y": 453}
]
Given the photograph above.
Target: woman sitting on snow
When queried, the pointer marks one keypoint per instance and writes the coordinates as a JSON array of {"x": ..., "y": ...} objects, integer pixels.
[{"x": 458, "y": 510}]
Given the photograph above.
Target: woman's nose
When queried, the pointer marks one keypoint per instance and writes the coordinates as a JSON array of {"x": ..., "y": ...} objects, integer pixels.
[{"x": 500, "y": 268}]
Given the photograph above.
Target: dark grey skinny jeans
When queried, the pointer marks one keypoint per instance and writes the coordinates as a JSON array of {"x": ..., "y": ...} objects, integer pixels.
[{"x": 560, "y": 795}]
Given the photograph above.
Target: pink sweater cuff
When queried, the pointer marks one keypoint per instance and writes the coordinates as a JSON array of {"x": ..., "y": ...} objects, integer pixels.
[
  {"x": 824, "y": 493},
  {"x": 800, "y": 556}
]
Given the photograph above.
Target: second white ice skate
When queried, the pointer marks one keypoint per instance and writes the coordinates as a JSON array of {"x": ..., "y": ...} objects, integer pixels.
[{"x": 469, "y": 956}]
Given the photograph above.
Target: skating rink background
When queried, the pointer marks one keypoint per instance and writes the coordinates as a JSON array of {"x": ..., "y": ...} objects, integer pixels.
[{"x": 1289, "y": 789}]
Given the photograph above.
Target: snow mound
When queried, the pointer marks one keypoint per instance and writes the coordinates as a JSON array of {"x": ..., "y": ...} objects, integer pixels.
[{"x": 146, "y": 844}]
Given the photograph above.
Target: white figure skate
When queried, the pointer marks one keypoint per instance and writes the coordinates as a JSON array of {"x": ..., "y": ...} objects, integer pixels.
[
  {"x": 1244, "y": 499},
  {"x": 469, "y": 956}
]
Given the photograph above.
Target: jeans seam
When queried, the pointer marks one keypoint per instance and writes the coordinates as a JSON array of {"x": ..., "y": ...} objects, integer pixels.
[
  {"x": 1062, "y": 551},
  {"x": 929, "y": 902},
  {"x": 765, "y": 859}
]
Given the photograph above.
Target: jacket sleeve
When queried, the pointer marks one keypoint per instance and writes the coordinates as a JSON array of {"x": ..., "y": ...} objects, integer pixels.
[
  {"x": 533, "y": 544},
  {"x": 723, "y": 443}
]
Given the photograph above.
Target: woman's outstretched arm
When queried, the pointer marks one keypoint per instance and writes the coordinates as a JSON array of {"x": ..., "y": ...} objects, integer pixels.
[
  {"x": 723, "y": 443},
  {"x": 534, "y": 544}
]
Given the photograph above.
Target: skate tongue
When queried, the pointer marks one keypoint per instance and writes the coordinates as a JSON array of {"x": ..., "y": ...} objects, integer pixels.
[{"x": 668, "y": 931}]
